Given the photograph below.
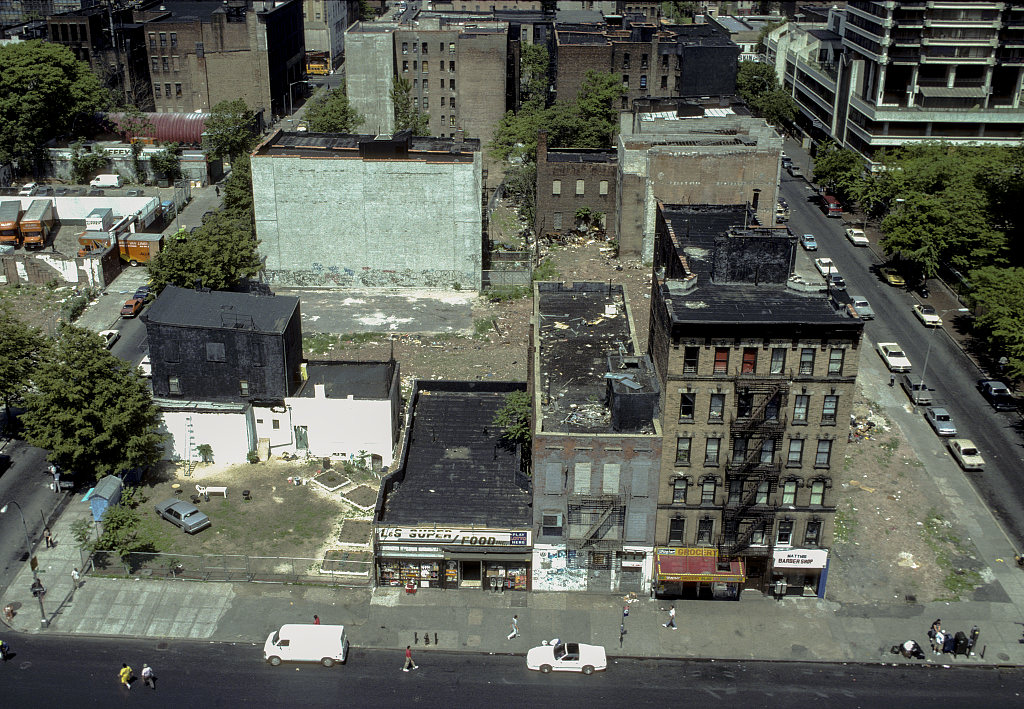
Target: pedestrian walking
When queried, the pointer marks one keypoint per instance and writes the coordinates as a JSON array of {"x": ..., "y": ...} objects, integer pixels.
[
  {"x": 125, "y": 675},
  {"x": 76, "y": 578},
  {"x": 515, "y": 627},
  {"x": 5, "y": 651},
  {"x": 408, "y": 660},
  {"x": 892, "y": 380},
  {"x": 218, "y": 190},
  {"x": 148, "y": 676},
  {"x": 316, "y": 620},
  {"x": 671, "y": 619},
  {"x": 48, "y": 538}
]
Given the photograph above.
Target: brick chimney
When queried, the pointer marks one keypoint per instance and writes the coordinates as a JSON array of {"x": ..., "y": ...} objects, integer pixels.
[{"x": 542, "y": 146}]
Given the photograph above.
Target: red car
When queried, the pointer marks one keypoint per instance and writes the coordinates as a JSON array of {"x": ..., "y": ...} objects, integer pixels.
[{"x": 131, "y": 308}]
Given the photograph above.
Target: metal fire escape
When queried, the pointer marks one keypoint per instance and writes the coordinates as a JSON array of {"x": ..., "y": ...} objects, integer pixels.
[
  {"x": 742, "y": 515},
  {"x": 603, "y": 512}
]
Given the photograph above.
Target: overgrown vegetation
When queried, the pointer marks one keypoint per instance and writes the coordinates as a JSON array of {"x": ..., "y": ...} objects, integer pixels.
[
  {"x": 85, "y": 163},
  {"x": 546, "y": 270},
  {"x": 407, "y": 116},
  {"x": 167, "y": 162},
  {"x": 331, "y": 112},
  {"x": 514, "y": 418},
  {"x": 231, "y": 130},
  {"x": 760, "y": 89},
  {"x": 947, "y": 545}
]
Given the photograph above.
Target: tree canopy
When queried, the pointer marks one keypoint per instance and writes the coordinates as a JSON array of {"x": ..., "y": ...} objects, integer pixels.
[
  {"x": 758, "y": 87},
  {"x": 220, "y": 253},
  {"x": 331, "y": 112},
  {"x": 238, "y": 188},
  {"x": 838, "y": 170},
  {"x": 407, "y": 117},
  {"x": 533, "y": 75},
  {"x": 91, "y": 410},
  {"x": 21, "y": 349},
  {"x": 999, "y": 295},
  {"x": 43, "y": 90},
  {"x": 230, "y": 130}
]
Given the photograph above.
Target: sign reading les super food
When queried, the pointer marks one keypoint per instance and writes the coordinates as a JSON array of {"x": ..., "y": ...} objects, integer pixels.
[{"x": 455, "y": 536}]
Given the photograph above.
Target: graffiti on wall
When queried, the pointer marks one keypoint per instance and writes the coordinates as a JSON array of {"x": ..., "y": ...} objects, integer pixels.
[{"x": 320, "y": 276}]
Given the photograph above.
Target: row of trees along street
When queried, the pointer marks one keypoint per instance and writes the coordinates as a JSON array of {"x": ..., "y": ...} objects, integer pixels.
[{"x": 950, "y": 210}]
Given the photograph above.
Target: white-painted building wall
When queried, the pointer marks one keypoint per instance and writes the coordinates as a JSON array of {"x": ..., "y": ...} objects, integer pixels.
[{"x": 230, "y": 433}]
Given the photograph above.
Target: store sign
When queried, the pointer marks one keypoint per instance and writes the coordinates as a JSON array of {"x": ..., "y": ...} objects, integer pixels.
[
  {"x": 454, "y": 536},
  {"x": 800, "y": 558}
]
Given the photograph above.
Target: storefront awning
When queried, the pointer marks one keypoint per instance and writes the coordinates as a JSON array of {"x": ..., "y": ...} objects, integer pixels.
[
  {"x": 694, "y": 564},
  {"x": 484, "y": 555}
]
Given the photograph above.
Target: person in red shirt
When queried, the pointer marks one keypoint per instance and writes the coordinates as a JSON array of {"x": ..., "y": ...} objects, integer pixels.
[{"x": 408, "y": 660}]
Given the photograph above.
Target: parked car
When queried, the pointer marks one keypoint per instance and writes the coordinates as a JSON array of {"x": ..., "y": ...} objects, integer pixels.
[
  {"x": 997, "y": 394},
  {"x": 927, "y": 315},
  {"x": 809, "y": 242},
  {"x": 44, "y": 191},
  {"x": 60, "y": 191},
  {"x": 917, "y": 390},
  {"x": 142, "y": 292},
  {"x": 825, "y": 266},
  {"x": 131, "y": 308},
  {"x": 567, "y": 657},
  {"x": 940, "y": 420},
  {"x": 965, "y": 453},
  {"x": 135, "y": 193},
  {"x": 110, "y": 337},
  {"x": 862, "y": 307},
  {"x": 857, "y": 237},
  {"x": 786, "y": 161},
  {"x": 28, "y": 189},
  {"x": 795, "y": 172},
  {"x": 893, "y": 356},
  {"x": 94, "y": 192},
  {"x": 892, "y": 276},
  {"x": 836, "y": 281},
  {"x": 183, "y": 514}
]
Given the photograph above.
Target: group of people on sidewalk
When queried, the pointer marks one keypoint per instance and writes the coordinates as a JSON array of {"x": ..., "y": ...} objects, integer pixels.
[{"x": 942, "y": 642}]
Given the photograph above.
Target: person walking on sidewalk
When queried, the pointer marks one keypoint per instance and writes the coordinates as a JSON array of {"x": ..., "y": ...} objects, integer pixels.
[
  {"x": 148, "y": 676},
  {"x": 515, "y": 627},
  {"x": 671, "y": 618},
  {"x": 125, "y": 675},
  {"x": 316, "y": 620},
  {"x": 76, "y": 578},
  {"x": 48, "y": 538},
  {"x": 408, "y": 660}
]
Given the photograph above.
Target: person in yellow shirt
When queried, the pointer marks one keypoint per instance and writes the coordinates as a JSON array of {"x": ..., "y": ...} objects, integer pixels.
[{"x": 125, "y": 675}]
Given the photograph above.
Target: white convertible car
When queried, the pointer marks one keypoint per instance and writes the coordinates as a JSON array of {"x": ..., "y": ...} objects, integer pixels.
[{"x": 567, "y": 657}]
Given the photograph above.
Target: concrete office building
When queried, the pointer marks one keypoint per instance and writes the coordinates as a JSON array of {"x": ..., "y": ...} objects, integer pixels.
[
  {"x": 341, "y": 211},
  {"x": 691, "y": 152},
  {"x": 758, "y": 370},
  {"x": 324, "y": 23},
  {"x": 596, "y": 442},
  {"x": 876, "y": 75}
]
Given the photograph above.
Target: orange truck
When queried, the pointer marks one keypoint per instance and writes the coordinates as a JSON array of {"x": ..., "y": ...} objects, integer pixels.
[
  {"x": 10, "y": 215},
  {"x": 133, "y": 248},
  {"x": 37, "y": 223}
]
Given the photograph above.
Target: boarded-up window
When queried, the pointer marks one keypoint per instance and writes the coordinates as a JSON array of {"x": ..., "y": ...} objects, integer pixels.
[
  {"x": 556, "y": 187},
  {"x": 602, "y": 187},
  {"x": 641, "y": 479},
  {"x": 636, "y": 526},
  {"x": 581, "y": 479},
  {"x": 611, "y": 479},
  {"x": 556, "y": 220},
  {"x": 552, "y": 478}
]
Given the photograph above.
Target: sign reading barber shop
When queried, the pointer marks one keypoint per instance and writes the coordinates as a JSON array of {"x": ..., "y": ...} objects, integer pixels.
[{"x": 800, "y": 558}]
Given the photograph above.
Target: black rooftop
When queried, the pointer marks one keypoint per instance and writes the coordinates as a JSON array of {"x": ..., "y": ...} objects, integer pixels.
[
  {"x": 184, "y": 10},
  {"x": 361, "y": 380},
  {"x": 343, "y": 144},
  {"x": 581, "y": 155},
  {"x": 222, "y": 309},
  {"x": 578, "y": 325},
  {"x": 457, "y": 470},
  {"x": 702, "y": 295}
]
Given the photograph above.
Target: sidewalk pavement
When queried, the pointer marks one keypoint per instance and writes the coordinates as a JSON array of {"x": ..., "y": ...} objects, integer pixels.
[{"x": 755, "y": 627}]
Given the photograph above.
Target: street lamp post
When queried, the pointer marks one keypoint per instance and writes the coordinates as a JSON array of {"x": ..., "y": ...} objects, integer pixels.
[
  {"x": 928, "y": 352},
  {"x": 35, "y": 577},
  {"x": 300, "y": 81}
]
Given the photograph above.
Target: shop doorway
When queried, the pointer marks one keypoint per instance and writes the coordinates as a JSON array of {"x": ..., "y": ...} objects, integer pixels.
[{"x": 470, "y": 574}]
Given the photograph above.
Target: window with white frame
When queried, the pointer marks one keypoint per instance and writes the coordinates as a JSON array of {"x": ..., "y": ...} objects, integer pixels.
[
  {"x": 789, "y": 492},
  {"x": 817, "y": 493},
  {"x": 796, "y": 451},
  {"x": 785, "y": 535}
]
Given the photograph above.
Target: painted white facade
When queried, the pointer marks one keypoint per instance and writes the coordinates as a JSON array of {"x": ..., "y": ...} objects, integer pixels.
[{"x": 227, "y": 428}]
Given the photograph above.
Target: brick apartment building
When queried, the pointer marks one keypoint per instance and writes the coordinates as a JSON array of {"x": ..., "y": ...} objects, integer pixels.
[
  {"x": 758, "y": 371},
  {"x": 202, "y": 53},
  {"x": 652, "y": 59},
  {"x": 324, "y": 23},
  {"x": 569, "y": 179}
]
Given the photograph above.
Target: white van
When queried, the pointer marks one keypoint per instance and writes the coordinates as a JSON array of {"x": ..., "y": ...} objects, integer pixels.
[
  {"x": 106, "y": 181},
  {"x": 326, "y": 644}
]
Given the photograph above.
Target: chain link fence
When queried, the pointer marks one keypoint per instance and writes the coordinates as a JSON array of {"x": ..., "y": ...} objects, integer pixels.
[{"x": 339, "y": 569}]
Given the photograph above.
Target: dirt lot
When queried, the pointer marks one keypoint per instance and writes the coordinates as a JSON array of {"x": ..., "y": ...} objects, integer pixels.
[
  {"x": 895, "y": 541},
  {"x": 282, "y": 519},
  {"x": 37, "y": 306}
]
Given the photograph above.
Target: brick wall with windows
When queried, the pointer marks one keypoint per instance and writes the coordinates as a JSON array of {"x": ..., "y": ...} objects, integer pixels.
[{"x": 571, "y": 179}]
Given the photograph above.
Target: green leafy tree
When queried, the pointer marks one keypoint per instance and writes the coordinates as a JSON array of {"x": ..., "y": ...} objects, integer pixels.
[
  {"x": 331, "y": 112},
  {"x": 85, "y": 163},
  {"x": 838, "y": 170},
  {"x": 757, "y": 86},
  {"x": 514, "y": 417},
  {"x": 534, "y": 64},
  {"x": 230, "y": 130},
  {"x": 167, "y": 162},
  {"x": 521, "y": 185},
  {"x": 238, "y": 189},
  {"x": 135, "y": 124},
  {"x": 123, "y": 532},
  {"x": 681, "y": 13},
  {"x": 90, "y": 409},
  {"x": 407, "y": 117},
  {"x": 21, "y": 349},
  {"x": 220, "y": 253},
  {"x": 43, "y": 90},
  {"x": 998, "y": 296},
  {"x": 366, "y": 11}
]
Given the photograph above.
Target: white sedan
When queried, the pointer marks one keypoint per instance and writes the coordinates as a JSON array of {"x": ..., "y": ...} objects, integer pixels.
[
  {"x": 893, "y": 356},
  {"x": 927, "y": 315},
  {"x": 109, "y": 337},
  {"x": 857, "y": 237},
  {"x": 965, "y": 453},
  {"x": 567, "y": 657}
]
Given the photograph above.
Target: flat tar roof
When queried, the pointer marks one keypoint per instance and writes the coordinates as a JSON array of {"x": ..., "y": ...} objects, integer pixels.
[
  {"x": 223, "y": 309},
  {"x": 361, "y": 380}
]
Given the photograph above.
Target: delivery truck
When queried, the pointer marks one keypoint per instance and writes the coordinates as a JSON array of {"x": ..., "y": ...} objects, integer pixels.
[
  {"x": 326, "y": 644},
  {"x": 140, "y": 248},
  {"x": 37, "y": 223},
  {"x": 10, "y": 215},
  {"x": 105, "y": 181}
]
